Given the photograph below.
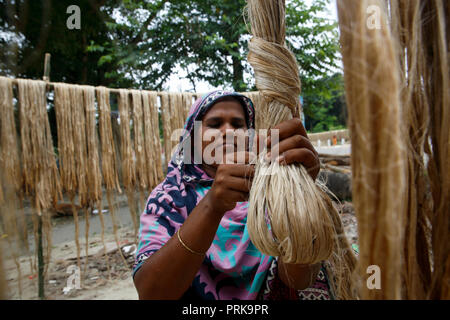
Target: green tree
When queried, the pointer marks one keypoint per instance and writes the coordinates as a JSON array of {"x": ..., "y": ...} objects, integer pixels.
[
  {"x": 208, "y": 39},
  {"x": 326, "y": 111},
  {"x": 30, "y": 28}
]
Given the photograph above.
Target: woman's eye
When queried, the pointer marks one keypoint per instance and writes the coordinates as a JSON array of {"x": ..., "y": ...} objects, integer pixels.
[{"x": 214, "y": 125}]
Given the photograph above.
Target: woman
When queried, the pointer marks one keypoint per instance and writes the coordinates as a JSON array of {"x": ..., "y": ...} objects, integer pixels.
[{"x": 193, "y": 240}]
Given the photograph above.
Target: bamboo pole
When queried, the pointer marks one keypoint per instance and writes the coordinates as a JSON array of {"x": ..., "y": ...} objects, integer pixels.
[{"x": 41, "y": 284}]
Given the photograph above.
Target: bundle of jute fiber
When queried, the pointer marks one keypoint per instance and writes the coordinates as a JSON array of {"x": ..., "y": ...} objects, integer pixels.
[
  {"x": 177, "y": 118},
  {"x": 406, "y": 25},
  {"x": 422, "y": 36},
  {"x": 402, "y": 207},
  {"x": 10, "y": 176},
  {"x": 11, "y": 186},
  {"x": 94, "y": 177},
  {"x": 142, "y": 166},
  {"x": 109, "y": 164},
  {"x": 187, "y": 103},
  {"x": 167, "y": 129},
  {"x": 289, "y": 215},
  {"x": 72, "y": 145},
  {"x": 40, "y": 173},
  {"x": 108, "y": 154},
  {"x": 152, "y": 140},
  {"x": 438, "y": 151},
  {"x": 9, "y": 153},
  {"x": 128, "y": 165},
  {"x": 139, "y": 147},
  {"x": 2, "y": 277},
  {"x": 379, "y": 155},
  {"x": 181, "y": 117}
]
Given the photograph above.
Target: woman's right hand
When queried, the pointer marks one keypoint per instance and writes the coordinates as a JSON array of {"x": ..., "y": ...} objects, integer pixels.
[{"x": 232, "y": 183}]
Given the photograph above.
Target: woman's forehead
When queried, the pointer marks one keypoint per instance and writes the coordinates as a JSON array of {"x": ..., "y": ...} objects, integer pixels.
[{"x": 226, "y": 108}]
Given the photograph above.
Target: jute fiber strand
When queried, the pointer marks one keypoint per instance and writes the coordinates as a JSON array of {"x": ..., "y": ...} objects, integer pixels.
[
  {"x": 435, "y": 24},
  {"x": 142, "y": 166},
  {"x": 403, "y": 225},
  {"x": 72, "y": 144},
  {"x": 180, "y": 113},
  {"x": 94, "y": 177},
  {"x": 108, "y": 158},
  {"x": 406, "y": 20},
  {"x": 187, "y": 103},
  {"x": 289, "y": 215},
  {"x": 151, "y": 139},
  {"x": 108, "y": 153},
  {"x": 127, "y": 150},
  {"x": 176, "y": 117},
  {"x": 40, "y": 174},
  {"x": 2, "y": 277},
  {"x": 139, "y": 147},
  {"x": 167, "y": 130},
  {"x": 379, "y": 155},
  {"x": 9, "y": 153},
  {"x": 128, "y": 168},
  {"x": 173, "y": 113},
  {"x": 10, "y": 178}
]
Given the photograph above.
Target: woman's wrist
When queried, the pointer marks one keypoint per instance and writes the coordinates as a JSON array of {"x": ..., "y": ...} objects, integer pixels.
[{"x": 213, "y": 207}]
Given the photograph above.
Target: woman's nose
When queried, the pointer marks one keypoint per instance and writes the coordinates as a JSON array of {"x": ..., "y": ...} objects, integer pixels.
[{"x": 226, "y": 127}]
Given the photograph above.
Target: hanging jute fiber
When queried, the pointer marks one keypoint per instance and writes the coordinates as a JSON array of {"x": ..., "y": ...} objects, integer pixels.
[
  {"x": 173, "y": 112},
  {"x": 2, "y": 277},
  {"x": 108, "y": 158},
  {"x": 3, "y": 287},
  {"x": 289, "y": 215},
  {"x": 139, "y": 147},
  {"x": 94, "y": 177},
  {"x": 167, "y": 130},
  {"x": 397, "y": 80},
  {"x": 187, "y": 103},
  {"x": 10, "y": 177},
  {"x": 152, "y": 140},
  {"x": 72, "y": 145},
  {"x": 40, "y": 174},
  {"x": 127, "y": 151},
  {"x": 9, "y": 153}
]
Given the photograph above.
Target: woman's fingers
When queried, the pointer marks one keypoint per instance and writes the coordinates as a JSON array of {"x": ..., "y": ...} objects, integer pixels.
[
  {"x": 238, "y": 196},
  {"x": 237, "y": 183},
  {"x": 304, "y": 156},
  {"x": 293, "y": 142},
  {"x": 242, "y": 157},
  {"x": 237, "y": 170},
  {"x": 287, "y": 129}
]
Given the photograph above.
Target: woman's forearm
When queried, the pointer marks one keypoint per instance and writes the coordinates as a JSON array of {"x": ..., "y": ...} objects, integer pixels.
[{"x": 169, "y": 272}]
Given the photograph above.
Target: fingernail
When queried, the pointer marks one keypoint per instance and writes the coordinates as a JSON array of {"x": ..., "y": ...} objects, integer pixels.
[{"x": 280, "y": 159}]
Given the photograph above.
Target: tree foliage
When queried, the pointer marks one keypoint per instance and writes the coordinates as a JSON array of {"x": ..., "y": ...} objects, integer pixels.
[{"x": 30, "y": 28}]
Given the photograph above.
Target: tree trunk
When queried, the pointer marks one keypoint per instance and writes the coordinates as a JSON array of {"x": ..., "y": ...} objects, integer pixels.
[{"x": 238, "y": 75}]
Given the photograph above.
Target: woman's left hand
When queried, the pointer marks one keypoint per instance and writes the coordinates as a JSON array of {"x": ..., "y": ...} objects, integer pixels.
[{"x": 293, "y": 147}]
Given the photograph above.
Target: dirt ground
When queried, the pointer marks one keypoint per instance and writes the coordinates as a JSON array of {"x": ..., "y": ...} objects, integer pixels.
[{"x": 103, "y": 277}]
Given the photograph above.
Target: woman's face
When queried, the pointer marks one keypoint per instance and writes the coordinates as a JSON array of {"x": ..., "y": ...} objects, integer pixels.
[{"x": 224, "y": 119}]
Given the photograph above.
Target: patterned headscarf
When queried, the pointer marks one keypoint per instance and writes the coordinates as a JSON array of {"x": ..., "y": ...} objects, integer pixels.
[{"x": 233, "y": 268}]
